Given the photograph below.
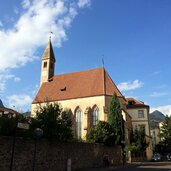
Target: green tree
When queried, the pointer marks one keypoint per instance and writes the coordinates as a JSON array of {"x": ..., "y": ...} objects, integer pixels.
[
  {"x": 102, "y": 133},
  {"x": 165, "y": 134},
  {"x": 115, "y": 119},
  {"x": 55, "y": 123},
  {"x": 138, "y": 142}
]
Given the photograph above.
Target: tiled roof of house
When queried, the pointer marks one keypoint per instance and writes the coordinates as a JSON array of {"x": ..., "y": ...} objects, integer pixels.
[
  {"x": 134, "y": 103},
  {"x": 5, "y": 109},
  {"x": 8, "y": 110},
  {"x": 81, "y": 84}
]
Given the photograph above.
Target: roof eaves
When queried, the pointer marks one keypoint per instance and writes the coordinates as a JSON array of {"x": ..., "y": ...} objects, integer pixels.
[{"x": 62, "y": 99}]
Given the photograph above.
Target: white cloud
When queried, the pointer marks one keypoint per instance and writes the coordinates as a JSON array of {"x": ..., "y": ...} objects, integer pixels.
[
  {"x": 158, "y": 94},
  {"x": 4, "y": 77},
  {"x": 22, "y": 102},
  {"x": 164, "y": 109},
  {"x": 83, "y": 3},
  {"x": 19, "y": 102},
  {"x": 126, "y": 86},
  {"x": 19, "y": 43}
]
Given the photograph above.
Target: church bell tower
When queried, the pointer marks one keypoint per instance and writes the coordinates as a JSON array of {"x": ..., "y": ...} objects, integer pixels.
[{"x": 48, "y": 64}]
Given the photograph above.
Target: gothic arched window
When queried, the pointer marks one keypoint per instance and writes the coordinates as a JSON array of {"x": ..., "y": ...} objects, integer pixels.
[
  {"x": 78, "y": 123},
  {"x": 95, "y": 116}
]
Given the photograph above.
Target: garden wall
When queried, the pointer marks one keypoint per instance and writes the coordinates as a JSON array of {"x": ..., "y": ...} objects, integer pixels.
[{"x": 53, "y": 156}]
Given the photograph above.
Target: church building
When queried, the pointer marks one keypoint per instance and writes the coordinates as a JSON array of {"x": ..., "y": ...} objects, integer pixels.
[{"x": 86, "y": 94}]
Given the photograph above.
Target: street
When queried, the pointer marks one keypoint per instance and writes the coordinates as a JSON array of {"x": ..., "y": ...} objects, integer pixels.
[{"x": 146, "y": 166}]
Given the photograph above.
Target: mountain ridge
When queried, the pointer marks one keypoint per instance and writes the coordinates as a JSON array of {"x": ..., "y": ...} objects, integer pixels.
[{"x": 155, "y": 118}]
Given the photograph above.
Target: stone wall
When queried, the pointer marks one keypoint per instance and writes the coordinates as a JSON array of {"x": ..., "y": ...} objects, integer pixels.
[{"x": 52, "y": 156}]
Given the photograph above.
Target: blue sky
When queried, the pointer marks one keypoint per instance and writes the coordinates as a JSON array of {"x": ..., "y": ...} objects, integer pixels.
[{"x": 133, "y": 37}]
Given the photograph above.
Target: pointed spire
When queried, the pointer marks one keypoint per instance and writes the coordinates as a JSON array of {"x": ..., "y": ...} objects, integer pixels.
[
  {"x": 102, "y": 63},
  {"x": 48, "y": 53}
]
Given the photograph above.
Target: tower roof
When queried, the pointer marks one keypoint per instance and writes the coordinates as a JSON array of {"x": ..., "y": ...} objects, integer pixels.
[
  {"x": 48, "y": 53},
  {"x": 88, "y": 83}
]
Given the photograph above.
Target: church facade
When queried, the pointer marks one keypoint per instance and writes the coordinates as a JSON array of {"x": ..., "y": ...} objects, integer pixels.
[{"x": 86, "y": 94}]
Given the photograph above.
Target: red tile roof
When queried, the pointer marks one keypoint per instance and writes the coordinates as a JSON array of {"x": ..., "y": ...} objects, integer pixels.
[
  {"x": 135, "y": 103},
  {"x": 81, "y": 84}
]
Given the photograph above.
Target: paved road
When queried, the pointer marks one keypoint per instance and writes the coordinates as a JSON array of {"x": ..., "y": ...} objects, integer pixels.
[{"x": 147, "y": 166}]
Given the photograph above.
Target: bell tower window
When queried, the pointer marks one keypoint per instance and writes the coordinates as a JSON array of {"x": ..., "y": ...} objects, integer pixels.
[{"x": 45, "y": 65}]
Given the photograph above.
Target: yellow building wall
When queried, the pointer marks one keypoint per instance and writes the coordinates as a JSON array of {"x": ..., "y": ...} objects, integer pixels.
[
  {"x": 102, "y": 102},
  {"x": 82, "y": 103},
  {"x": 136, "y": 121}
]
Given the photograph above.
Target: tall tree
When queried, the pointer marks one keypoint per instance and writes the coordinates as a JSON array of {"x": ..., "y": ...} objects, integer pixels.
[
  {"x": 165, "y": 133},
  {"x": 115, "y": 119}
]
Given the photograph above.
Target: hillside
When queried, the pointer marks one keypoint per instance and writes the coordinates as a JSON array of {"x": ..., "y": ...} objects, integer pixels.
[
  {"x": 26, "y": 114},
  {"x": 1, "y": 104},
  {"x": 155, "y": 118}
]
